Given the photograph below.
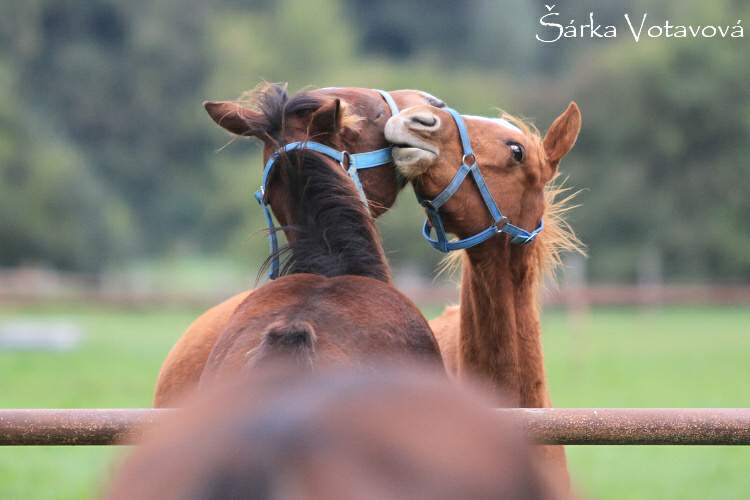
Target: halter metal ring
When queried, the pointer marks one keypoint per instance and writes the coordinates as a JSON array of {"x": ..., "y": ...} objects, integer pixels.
[
  {"x": 469, "y": 159},
  {"x": 501, "y": 223},
  {"x": 346, "y": 160}
]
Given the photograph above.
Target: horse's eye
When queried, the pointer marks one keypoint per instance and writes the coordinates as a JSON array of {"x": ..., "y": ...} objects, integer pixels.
[{"x": 516, "y": 150}]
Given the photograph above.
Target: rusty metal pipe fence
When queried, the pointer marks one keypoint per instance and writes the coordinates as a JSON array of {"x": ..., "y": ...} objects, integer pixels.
[{"x": 569, "y": 426}]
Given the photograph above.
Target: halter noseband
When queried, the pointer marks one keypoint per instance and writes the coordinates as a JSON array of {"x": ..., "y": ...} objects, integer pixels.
[
  {"x": 351, "y": 162},
  {"x": 469, "y": 165}
]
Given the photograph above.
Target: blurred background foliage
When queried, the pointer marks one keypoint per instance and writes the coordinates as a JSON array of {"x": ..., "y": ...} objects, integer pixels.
[{"x": 108, "y": 159}]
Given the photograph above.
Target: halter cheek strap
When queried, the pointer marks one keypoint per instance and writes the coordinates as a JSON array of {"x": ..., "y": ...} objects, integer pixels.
[
  {"x": 469, "y": 166},
  {"x": 362, "y": 161},
  {"x": 352, "y": 163}
]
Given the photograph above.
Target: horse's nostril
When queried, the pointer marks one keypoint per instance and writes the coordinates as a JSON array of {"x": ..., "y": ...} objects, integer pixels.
[{"x": 424, "y": 120}]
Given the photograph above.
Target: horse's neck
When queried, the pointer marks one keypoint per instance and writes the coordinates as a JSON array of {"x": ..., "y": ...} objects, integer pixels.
[
  {"x": 333, "y": 233},
  {"x": 500, "y": 328}
]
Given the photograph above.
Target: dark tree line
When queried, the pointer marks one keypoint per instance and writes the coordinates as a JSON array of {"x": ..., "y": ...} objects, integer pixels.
[{"x": 106, "y": 155}]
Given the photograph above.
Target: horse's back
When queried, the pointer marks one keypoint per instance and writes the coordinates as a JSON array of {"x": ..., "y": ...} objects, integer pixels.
[
  {"x": 182, "y": 368},
  {"x": 347, "y": 319}
]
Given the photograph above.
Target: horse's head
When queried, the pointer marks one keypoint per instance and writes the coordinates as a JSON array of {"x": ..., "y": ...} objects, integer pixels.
[
  {"x": 335, "y": 433},
  {"x": 347, "y": 119},
  {"x": 514, "y": 160}
]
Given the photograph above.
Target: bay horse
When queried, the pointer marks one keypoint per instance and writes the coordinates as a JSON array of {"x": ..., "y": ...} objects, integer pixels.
[
  {"x": 488, "y": 182},
  {"x": 335, "y": 302},
  {"x": 268, "y": 113},
  {"x": 386, "y": 433}
]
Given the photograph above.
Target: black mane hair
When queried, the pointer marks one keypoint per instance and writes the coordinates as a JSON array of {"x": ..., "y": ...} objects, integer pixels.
[
  {"x": 274, "y": 103},
  {"x": 335, "y": 234}
]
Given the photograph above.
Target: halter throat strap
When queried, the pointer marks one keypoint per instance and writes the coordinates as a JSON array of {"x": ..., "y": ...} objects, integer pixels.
[
  {"x": 469, "y": 167},
  {"x": 351, "y": 162}
]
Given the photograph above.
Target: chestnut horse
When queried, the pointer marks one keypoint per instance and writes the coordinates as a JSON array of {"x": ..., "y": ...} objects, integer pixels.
[
  {"x": 335, "y": 302},
  {"x": 386, "y": 434},
  {"x": 487, "y": 181},
  {"x": 271, "y": 115}
]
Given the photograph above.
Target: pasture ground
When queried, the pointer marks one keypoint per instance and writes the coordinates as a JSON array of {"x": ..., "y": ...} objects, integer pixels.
[{"x": 686, "y": 357}]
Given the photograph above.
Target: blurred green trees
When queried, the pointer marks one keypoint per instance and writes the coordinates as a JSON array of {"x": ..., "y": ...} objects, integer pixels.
[
  {"x": 666, "y": 160},
  {"x": 55, "y": 208},
  {"x": 118, "y": 84},
  {"x": 106, "y": 154}
]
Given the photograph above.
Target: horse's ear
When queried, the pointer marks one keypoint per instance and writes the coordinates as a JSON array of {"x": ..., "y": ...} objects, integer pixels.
[
  {"x": 326, "y": 119},
  {"x": 562, "y": 134},
  {"x": 236, "y": 119}
]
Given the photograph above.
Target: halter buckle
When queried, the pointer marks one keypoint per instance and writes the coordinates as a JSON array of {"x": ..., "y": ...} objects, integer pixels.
[
  {"x": 346, "y": 160},
  {"x": 469, "y": 159},
  {"x": 428, "y": 204}
]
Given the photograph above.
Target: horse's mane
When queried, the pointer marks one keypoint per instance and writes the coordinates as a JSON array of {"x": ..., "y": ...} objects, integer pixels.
[
  {"x": 558, "y": 236},
  {"x": 334, "y": 233},
  {"x": 273, "y": 102}
]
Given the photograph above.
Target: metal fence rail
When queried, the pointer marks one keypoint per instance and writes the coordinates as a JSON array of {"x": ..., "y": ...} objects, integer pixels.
[
  {"x": 73, "y": 427},
  {"x": 570, "y": 426},
  {"x": 637, "y": 426}
]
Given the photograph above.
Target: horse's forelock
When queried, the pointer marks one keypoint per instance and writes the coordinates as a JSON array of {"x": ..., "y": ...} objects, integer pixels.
[
  {"x": 302, "y": 102},
  {"x": 269, "y": 99}
]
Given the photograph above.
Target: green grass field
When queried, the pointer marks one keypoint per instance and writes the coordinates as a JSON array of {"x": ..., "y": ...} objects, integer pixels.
[{"x": 614, "y": 358}]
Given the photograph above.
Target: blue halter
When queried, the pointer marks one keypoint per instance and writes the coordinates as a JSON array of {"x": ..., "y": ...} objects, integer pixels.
[
  {"x": 469, "y": 165},
  {"x": 352, "y": 163}
]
